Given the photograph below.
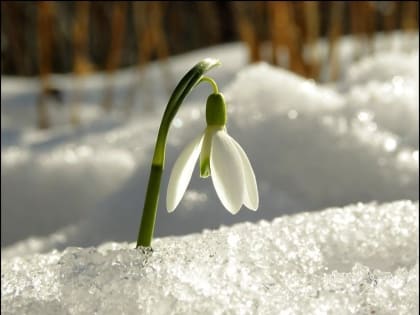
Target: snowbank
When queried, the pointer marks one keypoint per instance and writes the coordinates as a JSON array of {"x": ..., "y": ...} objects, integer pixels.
[
  {"x": 311, "y": 147},
  {"x": 360, "y": 259}
]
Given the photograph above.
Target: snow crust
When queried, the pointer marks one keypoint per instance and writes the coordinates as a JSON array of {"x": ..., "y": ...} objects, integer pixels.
[{"x": 360, "y": 259}]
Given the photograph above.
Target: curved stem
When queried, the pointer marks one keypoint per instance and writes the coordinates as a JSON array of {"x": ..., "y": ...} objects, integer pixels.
[
  {"x": 187, "y": 83},
  {"x": 212, "y": 82}
]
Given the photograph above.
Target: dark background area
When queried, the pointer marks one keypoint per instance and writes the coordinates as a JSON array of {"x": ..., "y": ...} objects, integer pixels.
[{"x": 51, "y": 36}]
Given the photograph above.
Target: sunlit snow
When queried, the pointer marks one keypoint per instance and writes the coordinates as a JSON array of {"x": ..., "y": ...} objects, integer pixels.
[
  {"x": 360, "y": 259},
  {"x": 351, "y": 147}
]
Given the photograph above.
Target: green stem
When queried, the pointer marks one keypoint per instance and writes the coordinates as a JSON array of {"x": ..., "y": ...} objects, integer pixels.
[
  {"x": 187, "y": 83},
  {"x": 212, "y": 82},
  {"x": 150, "y": 206}
]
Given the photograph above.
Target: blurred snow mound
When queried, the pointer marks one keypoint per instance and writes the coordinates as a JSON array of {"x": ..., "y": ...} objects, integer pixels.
[
  {"x": 48, "y": 190},
  {"x": 269, "y": 89},
  {"x": 360, "y": 259},
  {"x": 309, "y": 148},
  {"x": 383, "y": 66},
  {"x": 393, "y": 105},
  {"x": 323, "y": 155}
]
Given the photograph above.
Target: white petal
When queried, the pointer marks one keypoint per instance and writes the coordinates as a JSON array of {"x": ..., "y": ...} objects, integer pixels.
[
  {"x": 181, "y": 173},
  {"x": 226, "y": 172},
  {"x": 251, "y": 198}
]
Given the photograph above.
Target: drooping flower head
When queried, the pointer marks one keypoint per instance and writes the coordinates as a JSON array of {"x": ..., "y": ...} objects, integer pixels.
[{"x": 221, "y": 158}]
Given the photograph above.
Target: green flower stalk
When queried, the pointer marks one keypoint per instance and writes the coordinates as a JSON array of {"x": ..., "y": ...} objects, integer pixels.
[
  {"x": 188, "y": 82},
  {"x": 221, "y": 157}
]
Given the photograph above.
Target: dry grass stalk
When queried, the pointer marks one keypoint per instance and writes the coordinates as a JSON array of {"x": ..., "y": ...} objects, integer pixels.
[
  {"x": 278, "y": 23},
  {"x": 12, "y": 13},
  {"x": 362, "y": 21},
  {"x": 312, "y": 27},
  {"x": 409, "y": 21},
  {"x": 151, "y": 39},
  {"x": 81, "y": 64},
  {"x": 247, "y": 31},
  {"x": 389, "y": 15},
  {"x": 370, "y": 24},
  {"x": 295, "y": 45},
  {"x": 208, "y": 21},
  {"x": 45, "y": 20},
  {"x": 335, "y": 21},
  {"x": 115, "y": 50},
  {"x": 286, "y": 34}
]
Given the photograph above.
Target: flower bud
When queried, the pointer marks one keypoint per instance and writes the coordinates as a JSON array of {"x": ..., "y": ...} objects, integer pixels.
[{"x": 216, "y": 110}]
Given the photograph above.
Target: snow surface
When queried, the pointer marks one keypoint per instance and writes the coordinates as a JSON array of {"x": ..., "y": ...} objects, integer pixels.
[
  {"x": 360, "y": 259},
  {"x": 312, "y": 146}
]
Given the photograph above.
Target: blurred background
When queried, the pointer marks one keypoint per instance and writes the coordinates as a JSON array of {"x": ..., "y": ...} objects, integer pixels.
[
  {"x": 43, "y": 37},
  {"x": 39, "y": 37}
]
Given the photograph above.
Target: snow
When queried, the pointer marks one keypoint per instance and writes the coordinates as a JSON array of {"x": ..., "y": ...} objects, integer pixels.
[
  {"x": 377, "y": 67},
  {"x": 311, "y": 146},
  {"x": 360, "y": 259},
  {"x": 69, "y": 191}
]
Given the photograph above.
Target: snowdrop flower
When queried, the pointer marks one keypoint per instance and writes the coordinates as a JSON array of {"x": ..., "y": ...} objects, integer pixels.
[{"x": 221, "y": 157}]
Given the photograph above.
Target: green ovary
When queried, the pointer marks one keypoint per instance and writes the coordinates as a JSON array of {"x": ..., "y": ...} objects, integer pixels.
[{"x": 216, "y": 110}]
